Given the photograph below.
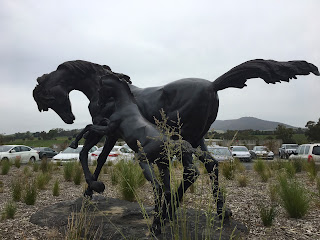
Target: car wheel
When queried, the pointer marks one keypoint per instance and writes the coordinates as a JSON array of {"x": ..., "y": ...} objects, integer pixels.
[
  {"x": 5, "y": 159},
  {"x": 32, "y": 159}
]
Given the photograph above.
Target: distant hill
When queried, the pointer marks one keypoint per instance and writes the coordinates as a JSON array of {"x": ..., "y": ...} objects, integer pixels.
[{"x": 246, "y": 123}]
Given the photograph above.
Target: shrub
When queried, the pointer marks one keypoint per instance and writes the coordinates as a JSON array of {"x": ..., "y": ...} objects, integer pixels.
[
  {"x": 17, "y": 163},
  {"x": 56, "y": 189},
  {"x": 312, "y": 170},
  {"x": 30, "y": 195},
  {"x": 68, "y": 171},
  {"x": 77, "y": 174},
  {"x": 259, "y": 166},
  {"x": 5, "y": 167},
  {"x": 298, "y": 164},
  {"x": 242, "y": 180},
  {"x": 9, "y": 210},
  {"x": 293, "y": 197},
  {"x": 228, "y": 170},
  {"x": 42, "y": 180},
  {"x": 35, "y": 167},
  {"x": 16, "y": 188},
  {"x": 290, "y": 169},
  {"x": 267, "y": 215},
  {"x": 131, "y": 178}
]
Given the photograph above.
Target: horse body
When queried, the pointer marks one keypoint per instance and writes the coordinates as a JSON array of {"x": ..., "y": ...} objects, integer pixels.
[{"x": 146, "y": 140}]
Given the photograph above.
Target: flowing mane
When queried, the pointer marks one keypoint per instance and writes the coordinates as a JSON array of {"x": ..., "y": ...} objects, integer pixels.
[{"x": 82, "y": 68}]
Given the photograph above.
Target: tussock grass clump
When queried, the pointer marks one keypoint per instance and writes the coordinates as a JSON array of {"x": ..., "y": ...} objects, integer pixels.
[
  {"x": 293, "y": 197},
  {"x": 114, "y": 176},
  {"x": 9, "y": 210},
  {"x": 1, "y": 187},
  {"x": 318, "y": 185},
  {"x": 273, "y": 193},
  {"x": 45, "y": 166},
  {"x": 109, "y": 163},
  {"x": 267, "y": 215},
  {"x": 239, "y": 165},
  {"x": 298, "y": 164},
  {"x": 94, "y": 163},
  {"x": 42, "y": 180},
  {"x": 290, "y": 169},
  {"x": 77, "y": 174},
  {"x": 259, "y": 166},
  {"x": 68, "y": 171},
  {"x": 130, "y": 178},
  {"x": 5, "y": 167},
  {"x": 16, "y": 190},
  {"x": 242, "y": 180},
  {"x": 312, "y": 170},
  {"x": 30, "y": 195},
  {"x": 105, "y": 170},
  {"x": 17, "y": 163},
  {"x": 56, "y": 188},
  {"x": 228, "y": 170},
  {"x": 35, "y": 167}
]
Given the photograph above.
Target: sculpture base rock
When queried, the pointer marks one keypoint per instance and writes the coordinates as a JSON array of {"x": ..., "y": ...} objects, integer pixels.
[{"x": 111, "y": 218}]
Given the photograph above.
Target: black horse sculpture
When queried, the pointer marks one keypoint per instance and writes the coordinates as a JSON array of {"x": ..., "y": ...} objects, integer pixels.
[
  {"x": 122, "y": 117},
  {"x": 195, "y": 99}
]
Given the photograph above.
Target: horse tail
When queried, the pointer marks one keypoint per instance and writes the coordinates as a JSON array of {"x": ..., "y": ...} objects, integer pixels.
[{"x": 269, "y": 70}]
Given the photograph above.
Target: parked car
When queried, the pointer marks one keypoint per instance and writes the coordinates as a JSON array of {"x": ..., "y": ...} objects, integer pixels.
[
  {"x": 70, "y": 154},
  {"x": 120, "y": 152},
  {"x": 307, "y": 152},
  {"x": 241, "y": 152},
  {"x": 261, "y": 152},
  {"x": 220, "y": 153},
  {"x": 287, "y": 149},
  {"x": 13, "y": 152},
  {"x": 45, "y": 152}
]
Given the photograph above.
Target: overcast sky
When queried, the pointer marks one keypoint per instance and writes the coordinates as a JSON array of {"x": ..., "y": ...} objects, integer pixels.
[{"x": 156, "y": 42}]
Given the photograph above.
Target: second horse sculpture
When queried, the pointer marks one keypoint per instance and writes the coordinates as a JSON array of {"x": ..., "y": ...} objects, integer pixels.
[{"x": 123, "y": 118}]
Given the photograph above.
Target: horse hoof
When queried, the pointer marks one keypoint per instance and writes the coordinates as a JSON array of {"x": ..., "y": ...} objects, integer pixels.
[
  {"x": 73, "y": 145},
  {"x": 97, "y": 186},
  {"x": 156, "y": 229},
  {"x": 88, "y": 193},
  {"x": 227, "y": 214}
]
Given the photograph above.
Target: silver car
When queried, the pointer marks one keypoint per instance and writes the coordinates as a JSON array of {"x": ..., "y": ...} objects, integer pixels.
[{"x": 220, "y": 153}]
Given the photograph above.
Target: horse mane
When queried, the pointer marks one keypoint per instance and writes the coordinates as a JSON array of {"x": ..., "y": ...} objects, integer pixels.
[{"x": 82, "y": 68}]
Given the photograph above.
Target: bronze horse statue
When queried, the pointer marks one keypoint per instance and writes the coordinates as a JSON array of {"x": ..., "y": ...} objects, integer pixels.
[
  {"x": 122, "y": 117},
  {"x": 196, "y": 100}
]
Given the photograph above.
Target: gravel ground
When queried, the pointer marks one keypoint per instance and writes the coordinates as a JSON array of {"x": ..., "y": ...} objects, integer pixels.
[{"x": 243, "y": 201}]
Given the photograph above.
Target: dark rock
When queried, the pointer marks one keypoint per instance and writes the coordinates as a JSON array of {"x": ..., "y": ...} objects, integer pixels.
[{"x": 112, "y": 218}]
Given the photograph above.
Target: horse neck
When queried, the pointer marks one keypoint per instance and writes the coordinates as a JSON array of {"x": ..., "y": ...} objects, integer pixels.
[{"x": 88, "y": 86}]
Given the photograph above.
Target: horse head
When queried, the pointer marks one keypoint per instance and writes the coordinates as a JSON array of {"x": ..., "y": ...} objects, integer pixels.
[{"x": 50, "y": 93}]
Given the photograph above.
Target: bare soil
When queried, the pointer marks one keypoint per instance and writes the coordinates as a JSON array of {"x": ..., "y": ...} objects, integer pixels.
[{"x": 243, "y": 201}]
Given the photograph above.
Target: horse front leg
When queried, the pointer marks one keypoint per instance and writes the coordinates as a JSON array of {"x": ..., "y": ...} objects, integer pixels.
[
  {"x": 91, "y": 140},
  {"x": 74, "y": 144},
  {"x": 211, "y": 166},
  {"x": 149, "y": 174}
]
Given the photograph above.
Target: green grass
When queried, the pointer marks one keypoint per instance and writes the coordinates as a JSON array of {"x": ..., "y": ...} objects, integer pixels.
[
  {"x": 228, "y": 170},
  {"x": 77, "y": 174},
  {"x": 242, "y": 180},
  {"x": 9, "y": 210},
  {"x": 68, "y": 171},
  {"x": 5, "y": 167},
  {"x": 267, "y": 215},
  {"x": 17, "y": 163},
  {"x": 56, "y": 189},
  {"x": 42, "y": 180},
  {"x": 293, "y": 197},
  {"x": 30, "y": 195},
  {"x": 16, "y": 190}
]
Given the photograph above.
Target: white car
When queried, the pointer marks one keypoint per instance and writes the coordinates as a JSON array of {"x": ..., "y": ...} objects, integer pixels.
[
  {"x": 220, "y": 153},
  {"x": 241, "y": 152},
  {"x": 120, "y": 152},
  {"x": 70, "y": 154},
  {"x": 13, "y": 152},
  {"x": 307, "y": 152},
  {"x": 262, "y": 152}
]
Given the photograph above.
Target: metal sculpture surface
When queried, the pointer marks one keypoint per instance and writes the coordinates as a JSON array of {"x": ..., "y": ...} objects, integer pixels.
[
  {"x": 195, "y": 99},
  {"x": 122, "y": 117}
]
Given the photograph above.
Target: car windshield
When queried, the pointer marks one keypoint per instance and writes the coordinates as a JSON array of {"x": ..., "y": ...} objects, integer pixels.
[
  {"x": 293, "y": 146},
  {"x": 115, "y": 149},
  {"x": 316, "y": 150},
  {"x": 71, "y": 150},
  {"x": 261, "y": 148},
  {"x": 239, "y": 149},
  {"x": 5, "y": 148},
  {"x": 220, "y": 151}
]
